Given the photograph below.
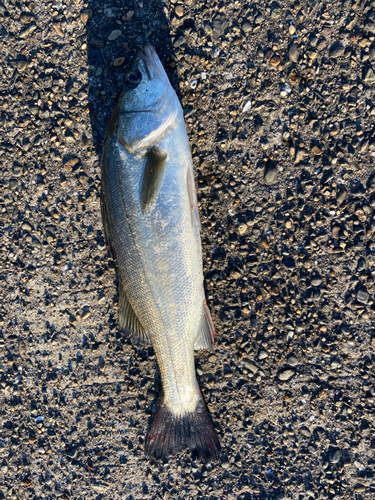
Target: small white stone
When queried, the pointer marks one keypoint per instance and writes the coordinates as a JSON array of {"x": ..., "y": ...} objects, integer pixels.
[{"x": 246, "y": 107}]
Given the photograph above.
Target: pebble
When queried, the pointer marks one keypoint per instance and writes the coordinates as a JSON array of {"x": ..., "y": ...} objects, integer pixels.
[
  {"x": 361, "y": 266},
  {"x": 292, "y": 29},
  {"x": 336, "y": 457},
  {"x": 275, "y": 14},
  {"x": 218, "y": 25},
  {"x": 119, "y": 61},
  {"x": 85, "y": 312},
  {"x": 114, "y": 35},
  {"x": 316, "y": 150},
  {"x": 246, "y": 27},
  {"x": 26, "y": 18},
  {"x": 71, "y": 451},
  {"x": 263, "y": 354},
  {"x": 27, "y": 32},
  {"x": 300, "y": 155},
  {"x": 69, "y": 137},
  {"x": 21, "y": 65},
  {"x": 369, "y": 76},
  {"x": 70, "y": 164},
  {"x": 336, "y": 50},
  {"x": 101, "y": 364},
  {"x": 242, "y": 228},
  {"x": 289, "y": 263},
  {"x": 270, "y": 175},
  {"x": 86, "y": 15},
  {"x": 246, "y": 107},
  {"x": 22, "y": 348},
  {"x": 316, "y": 281},
  {"x": 17, "y": 170},
  {"x": 322, "y": 44},
  {"x": 263, "y": 240},
  {"x": 345, "y": 330},
  {"x": 312, "y": 54},
  {"x": 13, "y": 183},
  {"x": 179, "y": 10},
  {"x": 275, "y": 291},
  {"x": 359, "y": 465},
  {"x": 275, "y": 60},
  {"x": 250, "y": 365},
  {"x": 293, "y": 52},
  {"x": 359, "y": 487},
  {"x": 341, "y": 197},
  {"x": 286, "y": 374},
  {"x": 362, "y": 296},
  {"x": 207, "y": 28},
  {"x": 59, "y": 31},
  {"x": 235, "y": 275},
  {"x": 305, "y": 432},
  {"x": 212, "y": 358},
  {"x": 292, "y": 360}
]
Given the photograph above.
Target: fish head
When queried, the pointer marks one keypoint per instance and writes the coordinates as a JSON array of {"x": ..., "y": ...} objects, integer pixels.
[{"x": 148, "y": 105}]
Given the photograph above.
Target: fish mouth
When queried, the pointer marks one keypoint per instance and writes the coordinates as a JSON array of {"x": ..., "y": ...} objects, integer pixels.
[
  {"x": 149, "y": 51},
  {"x": 152, "y": 62}
]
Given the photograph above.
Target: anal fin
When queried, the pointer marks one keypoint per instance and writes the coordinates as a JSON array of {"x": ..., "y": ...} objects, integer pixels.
[
  {"x": 206, "y": 330},
  {"x": 128, "y": 319}
]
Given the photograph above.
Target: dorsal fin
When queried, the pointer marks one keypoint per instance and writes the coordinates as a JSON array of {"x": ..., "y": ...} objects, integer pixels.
[{"x": 152, "y": 177}]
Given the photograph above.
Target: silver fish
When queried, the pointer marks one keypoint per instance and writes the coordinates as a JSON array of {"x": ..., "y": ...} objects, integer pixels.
[{"x": 151, "y": 221}]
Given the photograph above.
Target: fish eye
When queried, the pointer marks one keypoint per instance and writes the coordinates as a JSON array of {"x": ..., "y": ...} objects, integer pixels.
[{"x": 133, "y": 79}]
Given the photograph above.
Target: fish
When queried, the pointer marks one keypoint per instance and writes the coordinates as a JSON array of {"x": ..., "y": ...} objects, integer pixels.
[{"x": 152, "y": 227}]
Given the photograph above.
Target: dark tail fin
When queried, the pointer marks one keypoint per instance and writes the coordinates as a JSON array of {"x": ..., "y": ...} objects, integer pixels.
[{"x": 171, "y": 433}]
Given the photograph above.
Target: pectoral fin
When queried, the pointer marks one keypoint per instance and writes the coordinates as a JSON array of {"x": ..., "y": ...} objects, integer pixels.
[
  {"x": 128, "y": 319},
  {"x": 152, "y": 177}
]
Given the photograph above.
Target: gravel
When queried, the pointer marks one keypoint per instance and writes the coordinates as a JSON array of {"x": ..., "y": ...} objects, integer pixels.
[{"x": 286, "y": 194}]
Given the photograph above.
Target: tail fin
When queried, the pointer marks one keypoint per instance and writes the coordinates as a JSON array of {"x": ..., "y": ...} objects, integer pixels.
[{"x": 171, "y": 433}]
